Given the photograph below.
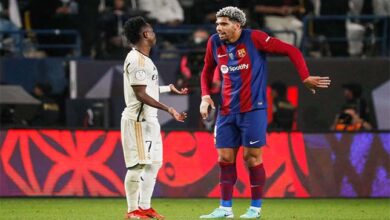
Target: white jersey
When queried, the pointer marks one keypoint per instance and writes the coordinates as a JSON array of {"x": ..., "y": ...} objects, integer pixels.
[{"x": 139, "y": 70}]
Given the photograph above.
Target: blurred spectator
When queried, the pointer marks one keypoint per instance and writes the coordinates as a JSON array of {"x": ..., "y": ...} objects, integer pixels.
[
  {"x": 326, "y": 29},
  {"x": 206, "y": 9},
  {"x": 10, "y": 21},
  {"x": 349, "y": 120},
  {"x": 88, "y": 13},
  {"x": 191, "y": 65},
  {"x": 48, "y": 113},
  {"x": 353, "y": 98},
  {"x": 282, "y": 15},
  {"x": 358, "y": 29},
  {"x": 283, "y": 110},
  {"x": 114, "y": 45},
  {"x": 167, "y": 12},
  {"x": 55, "y": 14},
  {"x": 382, "y": 8},
  {"x": 189, "y": 12},
  {"x": 355, "y": 30}
]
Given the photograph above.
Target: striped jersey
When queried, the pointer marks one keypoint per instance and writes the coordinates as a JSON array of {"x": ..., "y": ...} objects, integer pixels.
[{"x": 243, "y": 69}]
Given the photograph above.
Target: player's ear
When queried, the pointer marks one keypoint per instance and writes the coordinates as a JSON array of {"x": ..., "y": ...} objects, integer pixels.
[
  {"x": 238, "y": 25},
  {"x": 145, "y": 34}
]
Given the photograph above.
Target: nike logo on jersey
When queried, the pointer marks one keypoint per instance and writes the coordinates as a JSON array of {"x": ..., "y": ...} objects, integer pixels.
[
  {"x": 221, "y": 55},
  {"x": 253, "y": 142}
]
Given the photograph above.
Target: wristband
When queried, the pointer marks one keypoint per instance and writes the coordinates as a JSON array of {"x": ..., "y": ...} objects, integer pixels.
[{"x": 164, "y": 89}]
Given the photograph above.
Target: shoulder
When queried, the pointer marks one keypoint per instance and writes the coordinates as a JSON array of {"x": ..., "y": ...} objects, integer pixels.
[{"x": 136, "y": 59}]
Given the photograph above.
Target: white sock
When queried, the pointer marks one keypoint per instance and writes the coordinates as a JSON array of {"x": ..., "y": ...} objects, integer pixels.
[
  {"x": 148, "y": 180},
  {"x": 132, "y": 180},
  {"x": 229, "y": 209}
]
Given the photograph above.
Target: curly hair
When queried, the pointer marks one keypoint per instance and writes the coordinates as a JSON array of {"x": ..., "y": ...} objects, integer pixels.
[
  {"x": 132, "y": 29},
  {"x": 233, "y": 13}
]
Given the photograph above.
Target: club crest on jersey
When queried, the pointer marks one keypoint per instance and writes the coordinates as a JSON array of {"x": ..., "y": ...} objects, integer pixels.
[
  {"x": 241, "y": 53},
  {"x": 224, "y": 69},
  {"x": 140, "y": 75}
]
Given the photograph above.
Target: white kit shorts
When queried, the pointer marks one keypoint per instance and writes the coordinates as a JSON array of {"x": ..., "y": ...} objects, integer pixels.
[{"x": 141, "y": 141}]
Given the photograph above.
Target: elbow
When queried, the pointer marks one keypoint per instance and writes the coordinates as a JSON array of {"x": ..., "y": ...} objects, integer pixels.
[{"x": 139, "y": 97}]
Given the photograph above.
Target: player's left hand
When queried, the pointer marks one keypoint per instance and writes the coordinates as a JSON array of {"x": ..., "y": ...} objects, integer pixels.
[
  {"x": 174, "y": 90},
  {"x": 317, "y": 82},
  {"x": 177, "y": 116}
]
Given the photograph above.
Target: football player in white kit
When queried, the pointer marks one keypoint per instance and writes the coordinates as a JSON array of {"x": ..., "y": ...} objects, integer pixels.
[{"x": 140, "y": 130}]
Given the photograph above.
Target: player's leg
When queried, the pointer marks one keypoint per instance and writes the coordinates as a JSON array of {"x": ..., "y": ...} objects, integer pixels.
[
  {"x": 254, "y": 162},
  {"x": 227, "y": 143},
  {"x": 228, "y": 174},
  {"x": 149, "y": 176},
  {"x": 130, "y": 133},
  {"x": 132, "y": 181},
  {"x": 253, "y": 132}
]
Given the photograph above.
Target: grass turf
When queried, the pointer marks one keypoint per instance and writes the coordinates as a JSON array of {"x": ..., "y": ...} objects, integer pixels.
[{"x": 182, "y": 209}]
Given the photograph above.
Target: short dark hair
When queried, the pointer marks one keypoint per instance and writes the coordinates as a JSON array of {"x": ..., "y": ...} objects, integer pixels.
[{"x": 133, "y": 28}]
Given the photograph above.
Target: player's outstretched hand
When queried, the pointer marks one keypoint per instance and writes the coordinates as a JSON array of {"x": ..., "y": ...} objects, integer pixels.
[
  {"x": 174, "y": 90},
  {"x": 204, "y": 106},
  {"x": 177, "y": 116},
  {"x": 316, "y": 82}
]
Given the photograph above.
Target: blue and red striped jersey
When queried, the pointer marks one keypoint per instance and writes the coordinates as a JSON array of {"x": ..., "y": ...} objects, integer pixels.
[{"x": 243, "y": 67}]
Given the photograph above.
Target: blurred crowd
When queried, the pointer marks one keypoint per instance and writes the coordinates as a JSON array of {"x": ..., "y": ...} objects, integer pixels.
[
  {"x": 100, "y": 26},
  {"x": 100, "y": 23}
]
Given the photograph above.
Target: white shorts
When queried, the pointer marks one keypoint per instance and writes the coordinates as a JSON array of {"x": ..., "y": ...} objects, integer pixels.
[{"x": 141, "y": 141}]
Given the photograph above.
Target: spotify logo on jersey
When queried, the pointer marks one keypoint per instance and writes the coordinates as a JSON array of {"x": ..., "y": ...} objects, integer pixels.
[{"x": 226, "y": 69}]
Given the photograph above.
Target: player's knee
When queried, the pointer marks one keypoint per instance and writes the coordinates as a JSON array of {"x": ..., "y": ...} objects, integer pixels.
[
  {"x": 226, "y": 158},
  {"x": 134, "y": 173},
  {"x": 252, "y": 160},
  {"x": 153, "y": 168}
]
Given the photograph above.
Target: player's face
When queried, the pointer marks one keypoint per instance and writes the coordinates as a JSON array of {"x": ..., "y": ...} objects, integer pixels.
[
  {"x": 149, "y": 34},
  {"x": 226, "y": 28}
]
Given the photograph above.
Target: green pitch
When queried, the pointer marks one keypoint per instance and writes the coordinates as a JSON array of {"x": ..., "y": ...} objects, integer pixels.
[{"x": 182, "y": 209}]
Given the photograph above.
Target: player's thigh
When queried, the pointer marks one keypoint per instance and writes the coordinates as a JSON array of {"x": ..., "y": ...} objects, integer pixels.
[
  {"x": 226, "y": 133},
  {"x": 130, "y": 138},
  {"x": 153, "y": 140},
  {"x": 253, "y": 127}
]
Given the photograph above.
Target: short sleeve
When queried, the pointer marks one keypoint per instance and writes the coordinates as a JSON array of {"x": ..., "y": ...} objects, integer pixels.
[{"x": 137, "y": 73}]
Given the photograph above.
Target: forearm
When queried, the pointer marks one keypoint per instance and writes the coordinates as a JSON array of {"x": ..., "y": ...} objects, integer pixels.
[
  {"x": 148, "y": 100},
  {"x": 206, "y": 80}
]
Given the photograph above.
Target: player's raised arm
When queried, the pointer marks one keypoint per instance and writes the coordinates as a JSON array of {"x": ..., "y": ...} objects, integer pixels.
[
  {"x": 207, "y": 80},
  {"x": 272, "y": 45},
  {"x": 172, "y": 89}
]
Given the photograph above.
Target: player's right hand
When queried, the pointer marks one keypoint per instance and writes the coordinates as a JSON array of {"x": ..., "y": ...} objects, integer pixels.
[
  {"x": 204, "y": 106},
  {"x": 317, "y": 82},
  {"x": 177, "y": 116}
]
